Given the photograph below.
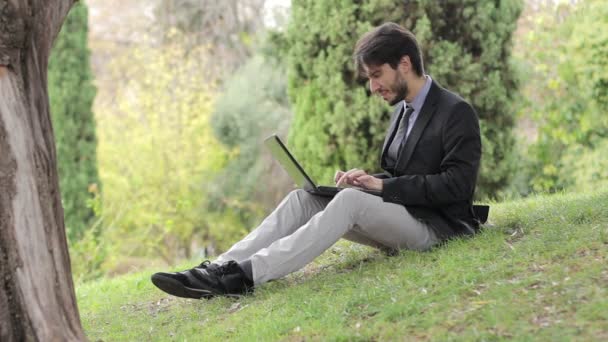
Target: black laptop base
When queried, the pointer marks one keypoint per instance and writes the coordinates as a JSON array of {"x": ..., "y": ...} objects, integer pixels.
[{"x": 331, "y": 191}]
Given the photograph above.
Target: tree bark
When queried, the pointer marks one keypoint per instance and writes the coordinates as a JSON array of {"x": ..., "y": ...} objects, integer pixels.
[{"x": 37, "y": 300}]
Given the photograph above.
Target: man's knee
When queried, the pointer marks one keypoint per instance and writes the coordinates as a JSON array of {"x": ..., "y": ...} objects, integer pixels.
[
  {"x": 349, "y": 195},
  {"x": 350, "y": 200},
  {"x": 299, "y": 195}
]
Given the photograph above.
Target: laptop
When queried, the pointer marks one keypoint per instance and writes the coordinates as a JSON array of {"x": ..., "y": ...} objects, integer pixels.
[{"x": 280, "y": 152}]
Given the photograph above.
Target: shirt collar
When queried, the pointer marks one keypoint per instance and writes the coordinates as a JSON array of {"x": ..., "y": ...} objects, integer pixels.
[{"x": 418, "y": 101}]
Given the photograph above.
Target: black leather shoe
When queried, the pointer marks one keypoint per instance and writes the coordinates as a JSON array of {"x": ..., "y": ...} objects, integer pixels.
[
  {"x": 185, "y": 284},
  {"x": 228, "y": 280}
]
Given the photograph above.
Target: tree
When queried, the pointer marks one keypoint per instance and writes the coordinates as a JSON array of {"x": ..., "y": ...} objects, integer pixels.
[
  {"x": 466, "y": 48},
  {"x": 565, "y": 63},
  {"x": 229, "y": 26},
  {"x": 71, "y": 94},
  {"x": 36, "y": 289}
]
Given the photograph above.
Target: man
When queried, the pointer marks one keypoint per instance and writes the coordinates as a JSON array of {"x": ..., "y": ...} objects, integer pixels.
[{"x": 430, "y": 160}]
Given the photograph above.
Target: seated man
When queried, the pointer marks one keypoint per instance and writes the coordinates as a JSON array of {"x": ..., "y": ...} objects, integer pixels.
[{"x": 430, "y": 159}]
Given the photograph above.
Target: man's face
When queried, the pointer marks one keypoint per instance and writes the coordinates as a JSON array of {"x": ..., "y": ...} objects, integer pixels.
[{"x": 387, "y": 82}]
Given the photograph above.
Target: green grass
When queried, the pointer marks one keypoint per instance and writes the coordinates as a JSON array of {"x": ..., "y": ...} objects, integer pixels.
[{"x": 538, "y": 272}]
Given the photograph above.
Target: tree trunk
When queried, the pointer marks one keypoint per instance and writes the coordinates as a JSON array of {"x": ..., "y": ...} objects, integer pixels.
[{"x": 37, "y": 301}]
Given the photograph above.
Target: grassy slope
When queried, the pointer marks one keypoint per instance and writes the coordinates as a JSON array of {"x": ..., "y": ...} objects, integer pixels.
[{"x": 538, "y": 273}]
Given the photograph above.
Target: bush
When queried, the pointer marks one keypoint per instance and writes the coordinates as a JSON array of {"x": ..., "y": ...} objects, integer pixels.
[
  {"x": 585, "y": 169},
  {"x": 565, "y": 63},
  {"x": 90, "y": 251}
]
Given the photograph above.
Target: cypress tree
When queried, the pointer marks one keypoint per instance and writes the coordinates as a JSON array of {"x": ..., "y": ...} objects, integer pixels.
[
  {"x": 466, "y": 47},
  {"x": 71, "y": 94}
]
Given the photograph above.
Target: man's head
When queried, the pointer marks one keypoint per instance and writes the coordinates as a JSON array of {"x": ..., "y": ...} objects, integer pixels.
[{"x": 390, "y": 58}]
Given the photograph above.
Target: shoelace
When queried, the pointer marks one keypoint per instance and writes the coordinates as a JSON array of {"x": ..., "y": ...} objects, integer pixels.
[
  {"x": 223, "y": 269},
  {"x": 204, "y": 264}
]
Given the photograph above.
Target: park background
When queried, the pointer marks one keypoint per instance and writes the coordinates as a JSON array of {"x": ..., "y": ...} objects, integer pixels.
[{"x": 160, "y": 108}]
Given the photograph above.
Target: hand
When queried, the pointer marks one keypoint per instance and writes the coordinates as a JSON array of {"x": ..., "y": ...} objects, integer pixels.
[
  {"x": 358, "y": 178},
  {"x": 338, "y": 175},
  {"x": 370, "y": 182},
  {"x": 347, "y": 178}
]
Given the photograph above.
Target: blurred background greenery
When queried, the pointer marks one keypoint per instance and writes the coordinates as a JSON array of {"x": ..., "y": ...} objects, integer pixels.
[{"x": 160, "y": 109}]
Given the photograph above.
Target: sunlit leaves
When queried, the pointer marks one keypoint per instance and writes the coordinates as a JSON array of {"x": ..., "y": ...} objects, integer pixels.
[{"x": 157, "y": 153}]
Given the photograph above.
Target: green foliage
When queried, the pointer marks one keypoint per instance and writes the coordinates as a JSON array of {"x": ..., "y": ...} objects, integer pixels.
[
  {"x": 71, "y": 94},
  {"x": 539, "y": 273},
  {"x": 253, "y": 106},
  {"x": 157, "y": 154},
  {"x": 585, "y": 169},
  {"x": 254, "y": 100},
  {"x": 466, "y": 45},
  {"x": 90, "y": 251},
  {"x": 566, "y": 66},
  {"x": 229, "y": 225},
  {"x": 229, "y": 27}
]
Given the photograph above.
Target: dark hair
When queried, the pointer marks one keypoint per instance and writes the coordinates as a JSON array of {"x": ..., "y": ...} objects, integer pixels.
[{"x": 387, "y": 43}]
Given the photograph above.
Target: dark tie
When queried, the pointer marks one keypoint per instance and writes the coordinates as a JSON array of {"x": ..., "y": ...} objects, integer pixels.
[
  {"x": 401, "y": 135},
  {"x": 406, "y": 117}
]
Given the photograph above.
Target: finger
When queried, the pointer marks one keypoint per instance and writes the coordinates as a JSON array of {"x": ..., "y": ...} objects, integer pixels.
[
  {"x": 344, "y": 178},
  {"x": 355, "y": 177},
  {"x": 352, "y": 174},
  {"x": 352, "y": 177},
  {"x": 364, "y": 180},
  {"x": 369, "y": 182},
  {"x": 357, "y": 174},
  {"x": 341, "y": 181},
  {"x": 338, "y": 174}
]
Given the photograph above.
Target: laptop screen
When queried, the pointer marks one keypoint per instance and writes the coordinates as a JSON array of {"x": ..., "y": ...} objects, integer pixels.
[{"x": 281, "y": 154}]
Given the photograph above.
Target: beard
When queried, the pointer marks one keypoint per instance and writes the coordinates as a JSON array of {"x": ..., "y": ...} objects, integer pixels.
[{"x": 400, "y": 89}]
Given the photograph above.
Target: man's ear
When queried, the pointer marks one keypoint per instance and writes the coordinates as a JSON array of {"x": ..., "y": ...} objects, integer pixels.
[{"x": 405, "y": 64}]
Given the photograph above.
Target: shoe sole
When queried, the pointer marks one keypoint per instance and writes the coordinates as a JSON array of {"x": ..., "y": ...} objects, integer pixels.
[{"x": 176, "y": 288}]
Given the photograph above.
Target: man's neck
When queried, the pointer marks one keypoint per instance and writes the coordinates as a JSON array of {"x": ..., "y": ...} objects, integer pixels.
[{"x": 414, "y": 88}]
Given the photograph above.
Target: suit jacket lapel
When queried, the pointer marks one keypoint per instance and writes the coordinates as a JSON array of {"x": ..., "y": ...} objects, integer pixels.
[{"x": 427, "y": 111}]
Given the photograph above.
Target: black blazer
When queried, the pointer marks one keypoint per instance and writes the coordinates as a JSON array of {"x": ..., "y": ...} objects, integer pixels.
[{"x": 436, "y": 171}]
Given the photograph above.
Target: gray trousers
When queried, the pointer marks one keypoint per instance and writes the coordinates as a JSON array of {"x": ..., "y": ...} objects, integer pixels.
[{"x": 303, "y": 226}]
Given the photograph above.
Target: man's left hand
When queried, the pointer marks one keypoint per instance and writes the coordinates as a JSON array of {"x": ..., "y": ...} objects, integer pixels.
[
  {"x": 369, "y": 182},
  {"x": 360, "y": 178}
]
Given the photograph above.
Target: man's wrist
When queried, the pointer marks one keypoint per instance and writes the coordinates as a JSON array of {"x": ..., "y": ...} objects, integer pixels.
[{"x": 380, "y": 185}]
